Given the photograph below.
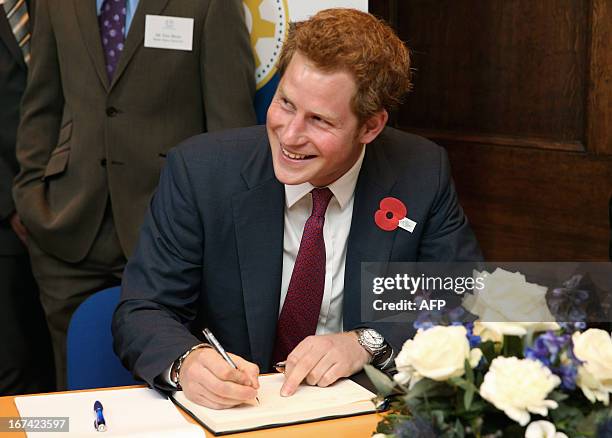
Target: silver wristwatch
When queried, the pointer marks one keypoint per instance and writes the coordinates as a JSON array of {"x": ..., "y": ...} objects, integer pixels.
[{"x": 373, "y": 342}]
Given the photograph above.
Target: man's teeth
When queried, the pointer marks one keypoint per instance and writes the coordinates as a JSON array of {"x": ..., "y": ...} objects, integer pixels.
[{"x": 292, "y": 155}]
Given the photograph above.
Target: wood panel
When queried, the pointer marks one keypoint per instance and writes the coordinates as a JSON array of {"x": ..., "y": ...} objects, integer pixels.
[
  {"x": 498, "y": 68},
  {"x": 525, "y": 205},
  {"x": 520, "y": 94},
  {"x": 599, "y": 130}
]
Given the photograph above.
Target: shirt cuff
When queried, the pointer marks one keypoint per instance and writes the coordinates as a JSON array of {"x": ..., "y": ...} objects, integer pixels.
[{"x": 166, "y": 377}]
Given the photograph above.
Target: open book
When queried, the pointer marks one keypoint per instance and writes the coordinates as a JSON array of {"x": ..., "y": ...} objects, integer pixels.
[{"x": 309, "y": 403}]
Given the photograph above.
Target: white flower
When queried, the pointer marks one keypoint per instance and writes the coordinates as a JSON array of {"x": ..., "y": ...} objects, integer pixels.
[
  {"x": 379, "y": 435},
  {"x": 487, "y": 334},
  {"x": 507, "y": 299},
  {"x": 594, "y": 349},
  {"x": 543, "y": 429},
  {"x": 518, "y": 387},
  {"x": 438, "y": 354}
]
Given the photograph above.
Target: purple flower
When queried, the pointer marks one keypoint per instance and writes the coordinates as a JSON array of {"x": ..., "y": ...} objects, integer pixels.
[
  {"x": 422, "y": 325},
  {"x": 577, "y": 300},
  {"x": 548, "y": 349},
  {"x": 568, "y": 375}
]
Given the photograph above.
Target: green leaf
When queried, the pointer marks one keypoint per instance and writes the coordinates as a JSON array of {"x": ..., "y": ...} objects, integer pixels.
[
  {"x": 437, "y": 417},
  {"x": 469, "y": 372},
  {"x": 587, "y": 426},
  {"x": 459, "y": 431},
  {"x": 384, "y": 385},
  {"x": 422, "y": 387},
  {"x": 462, "y": 383},
  {"x": 558, "y": 396},
  {"x": 458, "y": 381},
  {"x": 488, "y": 350},
  {"x": 513, "y": 346},
  {"x": 468, "y": 397}
]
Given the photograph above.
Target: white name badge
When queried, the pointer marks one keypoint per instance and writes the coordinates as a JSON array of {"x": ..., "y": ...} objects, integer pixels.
[
  {"x": 407, "y": 224},
  {"x": 163, "y": 32}
]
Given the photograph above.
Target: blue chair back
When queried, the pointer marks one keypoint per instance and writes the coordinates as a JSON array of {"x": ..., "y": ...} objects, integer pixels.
[{"x": 91, "y": 361}]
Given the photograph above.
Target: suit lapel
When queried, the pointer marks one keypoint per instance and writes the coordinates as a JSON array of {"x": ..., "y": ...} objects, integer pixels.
[
  {"x": 90, "y": 31},
  {"x": 135, "y": 36},
  {"x": 8, "y": 38},
  {"x": 367, "y": 242},
  {"x": 259, "y": 220}
]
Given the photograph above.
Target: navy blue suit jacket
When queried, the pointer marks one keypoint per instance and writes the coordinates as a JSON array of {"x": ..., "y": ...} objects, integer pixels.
[{"x": 210, "y": 248}]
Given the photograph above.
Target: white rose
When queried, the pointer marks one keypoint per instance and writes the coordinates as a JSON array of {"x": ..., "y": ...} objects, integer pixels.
[
  {"x": 486, "y": 334},
  {"x": 518, "y": 387},
  {"x": 438, "y": 354},
  {"x": 505, "y": 300},
  {"x": 594, "y": 349},
  {"x": 543, "y": 429}
]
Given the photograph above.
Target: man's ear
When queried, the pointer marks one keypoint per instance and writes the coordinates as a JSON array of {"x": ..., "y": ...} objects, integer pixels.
[{"x": 373, "y": 126}]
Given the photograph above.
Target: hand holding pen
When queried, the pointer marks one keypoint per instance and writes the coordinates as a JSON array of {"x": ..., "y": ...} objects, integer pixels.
[
  {"x": 217, "y": 346},
  {"x": 209, "y": 380}
]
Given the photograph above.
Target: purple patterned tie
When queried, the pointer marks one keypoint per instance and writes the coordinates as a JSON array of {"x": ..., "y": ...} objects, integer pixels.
[
  {"x": 112, "y": 29},
  {"x": 302, "y": 306}
]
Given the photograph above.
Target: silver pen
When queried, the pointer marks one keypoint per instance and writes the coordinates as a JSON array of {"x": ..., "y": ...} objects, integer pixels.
[{"x": 217, "y": 346}]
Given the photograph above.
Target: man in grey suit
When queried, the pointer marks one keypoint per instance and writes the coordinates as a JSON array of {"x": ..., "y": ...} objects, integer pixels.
[
  {"x": 22, "y": 368},
  {"x": 259, "y": 233},
  {"x": 113, "y": 85}
]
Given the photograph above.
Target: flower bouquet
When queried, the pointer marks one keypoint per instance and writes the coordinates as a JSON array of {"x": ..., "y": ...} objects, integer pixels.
[{"x": 499, "y": 379}]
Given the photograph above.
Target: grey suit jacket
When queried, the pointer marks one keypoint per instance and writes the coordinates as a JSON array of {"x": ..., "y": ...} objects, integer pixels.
[
  {"x": 210, "y": 250},
  {"x": 13, "y": 73},
  {"x": 82, "y": 140}
]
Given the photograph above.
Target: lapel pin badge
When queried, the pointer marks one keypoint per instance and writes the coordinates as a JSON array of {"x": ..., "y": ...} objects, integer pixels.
[{"x": 392, "y": 214}]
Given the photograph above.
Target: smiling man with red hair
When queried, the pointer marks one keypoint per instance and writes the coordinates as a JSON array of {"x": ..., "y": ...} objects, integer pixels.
[{"x": 259, "y": 233}]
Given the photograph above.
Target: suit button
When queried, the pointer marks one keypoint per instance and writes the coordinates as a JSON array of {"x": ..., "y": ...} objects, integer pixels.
[
  {"x": 103, "y": 162},
  {"x": 111, "y": 111}
]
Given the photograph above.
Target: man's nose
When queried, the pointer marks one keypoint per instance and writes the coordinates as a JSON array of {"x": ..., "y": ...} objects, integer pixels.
[{"x": 293, "y": 134}]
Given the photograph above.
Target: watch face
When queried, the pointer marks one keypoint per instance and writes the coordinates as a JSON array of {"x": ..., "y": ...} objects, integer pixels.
[{"x": 373, "y": 338}]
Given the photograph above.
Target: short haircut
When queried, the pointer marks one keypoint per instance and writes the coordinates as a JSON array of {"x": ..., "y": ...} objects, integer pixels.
[{"x": 342, "y": 39}]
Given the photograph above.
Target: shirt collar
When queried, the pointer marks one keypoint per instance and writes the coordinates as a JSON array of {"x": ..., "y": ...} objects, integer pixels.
[{"x": 343, "y": 188}]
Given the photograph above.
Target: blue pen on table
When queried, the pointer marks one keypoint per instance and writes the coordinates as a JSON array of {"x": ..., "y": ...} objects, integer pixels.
[
  {"x": 217, "y": 346},
  {"x": 99, "y": 422}
]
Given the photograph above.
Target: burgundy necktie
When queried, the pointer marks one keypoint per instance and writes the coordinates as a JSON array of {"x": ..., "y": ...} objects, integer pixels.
[
  {"x": 112, "y": 28},
  {"x": 302, "y": 306}
]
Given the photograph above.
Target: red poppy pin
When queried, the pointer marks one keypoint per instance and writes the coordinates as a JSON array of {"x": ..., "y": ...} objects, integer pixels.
[{"x": 392, "y": 214}]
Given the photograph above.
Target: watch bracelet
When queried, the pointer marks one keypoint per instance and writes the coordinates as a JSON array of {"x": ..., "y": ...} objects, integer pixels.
[
  {"x": 178, "y": 363},
  {"x": 388, "y": 355}
]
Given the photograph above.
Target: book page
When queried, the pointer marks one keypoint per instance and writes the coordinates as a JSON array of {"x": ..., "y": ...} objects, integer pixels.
[
  {"x": 345, "y": 397},
  {"x": 129, "y": 412}
]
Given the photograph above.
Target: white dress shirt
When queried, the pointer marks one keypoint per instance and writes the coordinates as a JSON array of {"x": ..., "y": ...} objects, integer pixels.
[{"x": 298, "y": 207}]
